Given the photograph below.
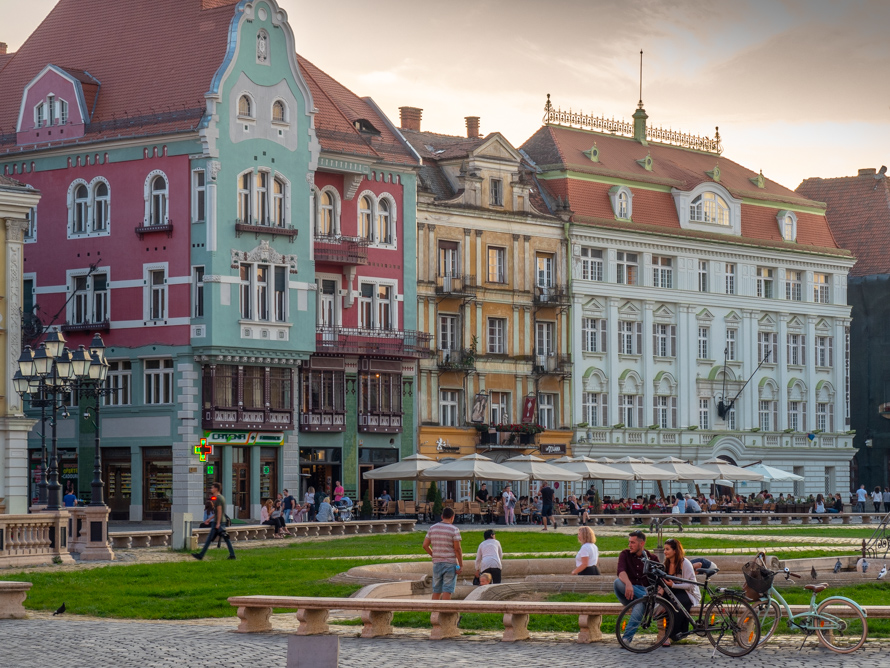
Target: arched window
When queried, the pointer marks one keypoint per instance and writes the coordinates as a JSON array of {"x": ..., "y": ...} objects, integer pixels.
[
  {"x": 81, "y": 208},
  {"x": 262, "y": 198},
  {"x": 245, "y": 108},
  {"x": 101, "y": 202},
  {"x": 158, "y": 201},
  {"x": 244, "y": 207},
  {"x": 365, "y": 209},
  {"x": 279, "y": 112},
  {"x": 278, "y": 218},
  {"x": 622, "y": 205},
  {"x": 384, "y": 229},
  {"x": 709, "y": 208},
  {"x": 326, "y": 215}
]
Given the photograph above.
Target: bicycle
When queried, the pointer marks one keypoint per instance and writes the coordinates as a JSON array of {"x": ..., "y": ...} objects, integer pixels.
[
  {"x": 644, "y": 623},
  {"x": 839, "y": 623}
]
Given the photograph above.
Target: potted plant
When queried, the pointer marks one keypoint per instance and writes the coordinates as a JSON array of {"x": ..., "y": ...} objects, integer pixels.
[
  {"x": 434, "y": 498},
  {"x": 366, "y": 511},
  {"x": 484, "y": 433}
]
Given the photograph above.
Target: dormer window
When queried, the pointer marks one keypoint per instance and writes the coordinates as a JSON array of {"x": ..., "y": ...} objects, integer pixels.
[
  {"x": 245, "y": 107},
  {"x": 51, "y": 109},
  {"x": 63, "y": 112},
  {"x": 496, "y": 189},
  {"x": 787, "y": 225},
  {"x": 40, "y": 115},
  {"x": 622, "y": 202},
  {"x": 709, "y": 208}
]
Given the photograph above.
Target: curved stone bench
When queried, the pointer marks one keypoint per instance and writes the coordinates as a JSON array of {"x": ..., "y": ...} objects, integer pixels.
[
  {"x": 12, "y": 596},
  {"x": 128, "y": 539}
]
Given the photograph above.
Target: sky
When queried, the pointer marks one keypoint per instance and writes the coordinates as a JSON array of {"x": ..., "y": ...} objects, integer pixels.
[{"x": 797, "y": 87}]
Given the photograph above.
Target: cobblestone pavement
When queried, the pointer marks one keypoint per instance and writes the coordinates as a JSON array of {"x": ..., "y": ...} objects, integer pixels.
[{"x": 41, "y": 643}]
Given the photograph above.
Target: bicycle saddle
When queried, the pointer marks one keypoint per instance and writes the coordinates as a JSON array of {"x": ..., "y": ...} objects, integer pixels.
[
  {"x": 816, "y": 588},
  {"x": 708, "y": 572}
]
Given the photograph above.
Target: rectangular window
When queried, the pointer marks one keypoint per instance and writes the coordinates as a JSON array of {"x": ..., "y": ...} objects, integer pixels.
[
  {"x": 448, "y": 333},
  {"x": 704, "y": 335},
  {"x": 591, "y": 264},
  {"x": 384, "y": 307},
  {"x": 729, "y": 276},
  {"x": 31, "y": 217},
  {"x": 797, "y": 349},
  {"x": 662, "y": 272},
  {"x": 768, "y": 347},
  {"x": 157, "y": 282},
  {"x": 262, "y": 198},
  {"x": 732, "y": 335},
  {"x": 366, "y": 306},
  {"x": 544, "y": 341},
  {"x": 547, "y": 411},
  {"x": 449, "y": 258},
  {"x": 627, "y": 339},
  {"x": 630, "y": 410},
  {"x": 500, "y": 408},
  {"x": 80, "y": 304},
  {"x": 199, "y": 196},
  {"x": 769, "y": 415},
  {"x": 497, "y": 334},
  {"x": 244, "y": 200},
  {"x": 246, "y": 297},
  {"x": 101, "y": 312},
  {"x": 159, "y": 381},
  {"x": 544, "y": 271},
  {"x": 594, "y": 335},
  {"x": 262, "y": 292},
  {"x": 765, "y": 283},
  {"x": 497, "y": 265},
  {"x": 730, "y": 419},
  {"x": 702, "y": 275},
  {"x": 281, "y": 389},
  {"x": 252, "y": 382},
  {"x": 594, "y": 407},
  {"x": 119, "y": 379},
  {"x": 793, "y": 285},
  {"x": 626, "y": 267},
  {"x": 197, "y": 292},
  {"x": 796, "y": 419},
  {"x": 825, "y": 351},
  {"x": 323, "y": 391},
  {"x": 496, "y": 190},
  {"x": 704, "y": 413},
  {"x": 664, "y": 339},
  {"x": 820, "y": 288},
  {"x": 825, "y": 417},
  {"x": 664, "y": 412},
  {"x": 381, "y": 393},
  {"x": 448, "y": 408},
  {"x": 280, "y": 294}
]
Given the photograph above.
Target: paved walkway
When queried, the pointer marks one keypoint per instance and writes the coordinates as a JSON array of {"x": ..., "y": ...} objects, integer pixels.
[{"x": 39, "y": 643}]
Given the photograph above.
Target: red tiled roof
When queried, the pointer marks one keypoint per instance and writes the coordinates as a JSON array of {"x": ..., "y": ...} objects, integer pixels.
[
  {"x": 7, "y": 182},
  {"x": 5, "y": 58},
  {"x": 338, "y": 110},
  {"x": 859, "y": 215},
  {"x": 557, "y": 148}
]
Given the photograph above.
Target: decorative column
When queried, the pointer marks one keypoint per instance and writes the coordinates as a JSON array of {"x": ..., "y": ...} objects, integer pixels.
[
  {"x": 528, "y": 280},
  {"x": 465, "y": 268},
  {"x": 687, "y": 405},
  {"x": 432, "y": 258},
  {"x": 747, "y": 348},
  {"x": 515, "y": 262},
  {"x": 480, "y": 278},
  {"x": 782, "y": 371},
  {"x": 613, "y": 370},
  {"x": 648, "y": 362},
  {"x": 810, "y": 371}
]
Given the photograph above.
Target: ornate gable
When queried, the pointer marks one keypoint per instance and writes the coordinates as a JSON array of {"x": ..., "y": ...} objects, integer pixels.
[{"x": 264, "y": 253}]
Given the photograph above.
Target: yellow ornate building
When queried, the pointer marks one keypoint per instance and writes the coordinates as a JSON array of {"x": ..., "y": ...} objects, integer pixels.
[
  {"x": 17, "y": 206},
  {"x": 492, "y": 291}
]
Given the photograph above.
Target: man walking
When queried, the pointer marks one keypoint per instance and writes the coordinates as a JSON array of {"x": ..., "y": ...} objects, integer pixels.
[
  {"x": 217, "y": 526},
  {"x": 861, "y": 495},
  {"x": 631, "y": 583},
  {"x": 287, "y": 505},
  {"x": 442, "y": 543},
  {"x": 547, "y": 493}
]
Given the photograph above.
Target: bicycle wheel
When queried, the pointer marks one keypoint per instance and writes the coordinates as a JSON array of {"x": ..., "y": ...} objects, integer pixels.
[
  {"x": 769, "y": 614},
  {"x": 845, "y": 635},
  {"x": 733, "y": 626},
  {"x": 644, "y": 623}
]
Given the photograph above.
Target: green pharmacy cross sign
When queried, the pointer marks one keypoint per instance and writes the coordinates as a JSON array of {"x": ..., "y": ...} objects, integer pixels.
[
  {"x": 203, "y": 450},
  {"x": 210, "y": 469},
  {"x": 266, "y": 470}
]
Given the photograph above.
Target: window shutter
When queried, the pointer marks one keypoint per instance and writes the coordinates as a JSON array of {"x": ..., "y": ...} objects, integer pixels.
[
  {"x": 673, "y": 333},
  {"x": 788, "y": 346},
  {"x": 803, "y": 349},
  {"x": 673, "y": 413},
  {"x": 639, "y": 350},
  {"x": 655, "y": 338},
  {"x": 830, "y": 351},
  {"x": 640, "y": 405},
  {"x": 604, "y": 400},
  {"x": 775, "y": 412},
  {"x": 655, "y": 410},
  {"x": 803, "y": 415},
  {"x": 604, "y": 334},
  {"x": 831, "y": 417}
]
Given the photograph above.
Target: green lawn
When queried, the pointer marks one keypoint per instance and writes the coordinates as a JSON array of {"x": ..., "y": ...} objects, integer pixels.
[
  {"x": 191, "y": 589},
  {"x": 813, "y": 532}
]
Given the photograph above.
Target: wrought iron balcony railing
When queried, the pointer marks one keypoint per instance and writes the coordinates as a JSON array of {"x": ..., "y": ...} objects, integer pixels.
[
  {"x": 553, "y": 364},
  {"x": 257, "y": 228},
  {"x": 341, "y": 250},
  {"x": 554, "y": 295},
  {"x": 239, "y": 417},
  {"x": 456, "y": 286},
  {"x": 361, "y": 341},
  {"x": 456, "y": 360},
  {"x": 148, "y": 228},
  {"x": 323, "y": 421},
  {"x": 102, "y": 326}
]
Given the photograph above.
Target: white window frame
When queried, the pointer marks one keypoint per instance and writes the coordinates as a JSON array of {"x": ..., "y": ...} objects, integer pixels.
[
  {"x": 704, "y": 413},
  {"x": 81, "y": 307},
  {"x": 732, "y": 339},
  {"x": 31, "y": 232},
  {"x": 592, "y": 264},
  {"x": 793, "y": 285},
  {"x": 199, "y": 295},
  {"x": 497, "y": 335},
  {"x": 709, "y": 207},
  {"x": 594, "y": 407},
  {"x": 630, "y": 408},
  {"x": 662, "y": 272},
  {"x": 100, "y": 203},
  {"x": 787, "y": 221},
  {"x": 766, "y": 282},
  {"x": 729, "y": 274},
  {"x": 545, "y": 338},
  {"x": 496, "y": 192},
  {"x": 320, "y": 208},
  {"x": 547, "y": 409},
  {"x": 545, "y": 270},
  {"x": 703, "y": 270},
  {"x": 621, "y": 198},
  {"x": 149, "y": 195},
  {"x": 199, "y": 195},
  {"x": 500, "y": 405},
  {"x": 825, "y": 351},
  {"x": 797, "y": 415},
  {"x": 821, "y": 288},
  {"x": 496, "y": 270},
  {"x": 158, "y": 385},
  {"x": 664, "y": 339},
  {"x": 627, "y": 268},
  {"x": 449, "y": 407},
  {"x": 704, "y": 342},
  {"x": 664, "y": 411},
  {"x": 374, "y": 221},
  {"x": 825, "y": 416},
  {"x": 627, "y": 339},
  {"x": 593, "y": 335},
  {"x": 250, "y": 114},
  {"x": 768, "y": 414},
  {"x": 285, "y": 118},
  {"x": 155, "y": 291},
  {"x": 375, "y": 304},
  {"x": 767, "y": 342},
  {"x": 449, "y": 332},
  {"x": 120, "y": 377},
  {"x": 797, "y": 349}
]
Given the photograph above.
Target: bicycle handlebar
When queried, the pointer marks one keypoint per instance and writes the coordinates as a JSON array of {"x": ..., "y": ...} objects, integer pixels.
[{"x": 788, "y": 574}]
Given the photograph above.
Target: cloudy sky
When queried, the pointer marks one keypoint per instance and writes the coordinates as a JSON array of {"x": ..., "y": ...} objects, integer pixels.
[{"x": 798, "y": 87}]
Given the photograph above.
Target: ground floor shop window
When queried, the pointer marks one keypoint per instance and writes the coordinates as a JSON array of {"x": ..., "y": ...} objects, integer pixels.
[
  {"x": 269, "y": 474},
  {"x": 117, "y": 476},
  {"x": 320, "y": 468},
  {"x": 157, "y": 486},
  {"x": 368, "y": 460},
  {"x": 240, "y": 500}
]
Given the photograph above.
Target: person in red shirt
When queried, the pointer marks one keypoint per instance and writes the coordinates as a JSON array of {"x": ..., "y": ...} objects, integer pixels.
[{"x": 631, "y": 583}]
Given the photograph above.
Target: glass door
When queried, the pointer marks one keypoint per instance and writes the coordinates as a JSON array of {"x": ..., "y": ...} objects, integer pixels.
[{"x": 241, "y": 483}]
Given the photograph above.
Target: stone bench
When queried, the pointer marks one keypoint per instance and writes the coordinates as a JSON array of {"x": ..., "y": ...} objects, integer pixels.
[
  {"x": 571, "y": 520},
  {"x": 12, "y": 596},
  {"x": 128, "y": 539},
  {"x": 241, "y": 532}
]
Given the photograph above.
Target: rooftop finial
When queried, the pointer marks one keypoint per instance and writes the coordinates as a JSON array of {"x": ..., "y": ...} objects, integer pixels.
[{"x": 640, "y": 103}]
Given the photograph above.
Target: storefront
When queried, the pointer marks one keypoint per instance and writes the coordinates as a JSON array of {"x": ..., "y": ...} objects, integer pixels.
[
  {"x": 368, "y": 460},
  {"x": 157, "y": 483},
  {"x": 320, "y": 468},
  {"x": 117, "y": 476},
  {"x": 68, "y": 472}
]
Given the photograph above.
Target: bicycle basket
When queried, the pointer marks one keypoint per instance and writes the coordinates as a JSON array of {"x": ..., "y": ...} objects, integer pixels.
[{"x": 757, "y": 577}]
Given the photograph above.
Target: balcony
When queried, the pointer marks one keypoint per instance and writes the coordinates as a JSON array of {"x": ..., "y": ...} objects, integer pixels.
[
  {"x": 256, "y": 229},
  {"x": 247, "y": 418},
  {"x": 456, "y": 286},
  {"x": 323, "y": 421},
  {"x": 102, "y": 326},
  {"x": 341, "y": 250},
  {"x": 551, "y": 296},
  {"x": 380, "y": 423},
  {"x": 552, "y": 365},
  {"x": 148, "y": 228},
  {"x": 457, "y": 360},
  {"x": 359, "y": 341}
]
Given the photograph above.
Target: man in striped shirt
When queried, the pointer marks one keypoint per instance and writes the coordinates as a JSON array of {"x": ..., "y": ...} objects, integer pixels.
[{"x": 442, "y": 543}]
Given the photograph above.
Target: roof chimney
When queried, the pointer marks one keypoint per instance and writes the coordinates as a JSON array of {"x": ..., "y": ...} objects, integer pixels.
[
  {"x": 409, "y": 118},
  {"x": 3, "y": 48},
  {"x": 868, "y": 171},
  {"x": 472, "y": 126}
]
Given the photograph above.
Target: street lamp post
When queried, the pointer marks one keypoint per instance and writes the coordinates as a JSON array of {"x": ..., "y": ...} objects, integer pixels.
[{"x": 92, "y": 368}]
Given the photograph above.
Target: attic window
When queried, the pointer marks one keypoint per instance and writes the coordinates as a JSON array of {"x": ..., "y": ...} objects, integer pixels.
[
  {"x": 709, "y": 208},
  {"x": 787, "y": 225},
  {"x": 40, "y": 115},
  {"x": 496, "y": 190},
  {"x": 364, "y": 125}
]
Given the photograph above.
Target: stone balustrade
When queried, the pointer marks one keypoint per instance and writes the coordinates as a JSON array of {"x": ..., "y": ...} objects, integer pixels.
[{"x": 35, "y": 539}]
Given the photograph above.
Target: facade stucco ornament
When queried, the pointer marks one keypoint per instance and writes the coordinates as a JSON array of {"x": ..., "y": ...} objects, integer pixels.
[
  {"x": 15, "y": 229},
  {"x": 15, "y": 235},
  {"x": 262, "y": 46},
  {"x": 213, "y": 167},
  {"x": 266, "y": 254},
  {"x": 310, "y": 178}
]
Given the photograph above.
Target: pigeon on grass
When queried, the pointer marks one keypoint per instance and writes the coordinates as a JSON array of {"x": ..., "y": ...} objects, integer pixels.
[
  {"x": 60, "y": 610},
  {"x": 883, "y": 572}
]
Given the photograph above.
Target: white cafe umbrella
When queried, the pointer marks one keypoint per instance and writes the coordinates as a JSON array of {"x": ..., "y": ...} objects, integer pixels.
[
  {"x": 591, "y": 469},
  {"x": 686, "y": 471},
  {"x": 473, "y": 467},
  {"x": 728, "y": 471},
  {"x": 642, "y": 469},
  {"x": 538, "y": 469},
  {"x": 605, "y": 460},
  {"x": 772, "y": 474},
  {"x": 410, "y": 468}
]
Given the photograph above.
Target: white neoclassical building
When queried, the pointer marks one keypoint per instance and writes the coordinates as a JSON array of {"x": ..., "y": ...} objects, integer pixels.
[{"x": 709, "y": 310}]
